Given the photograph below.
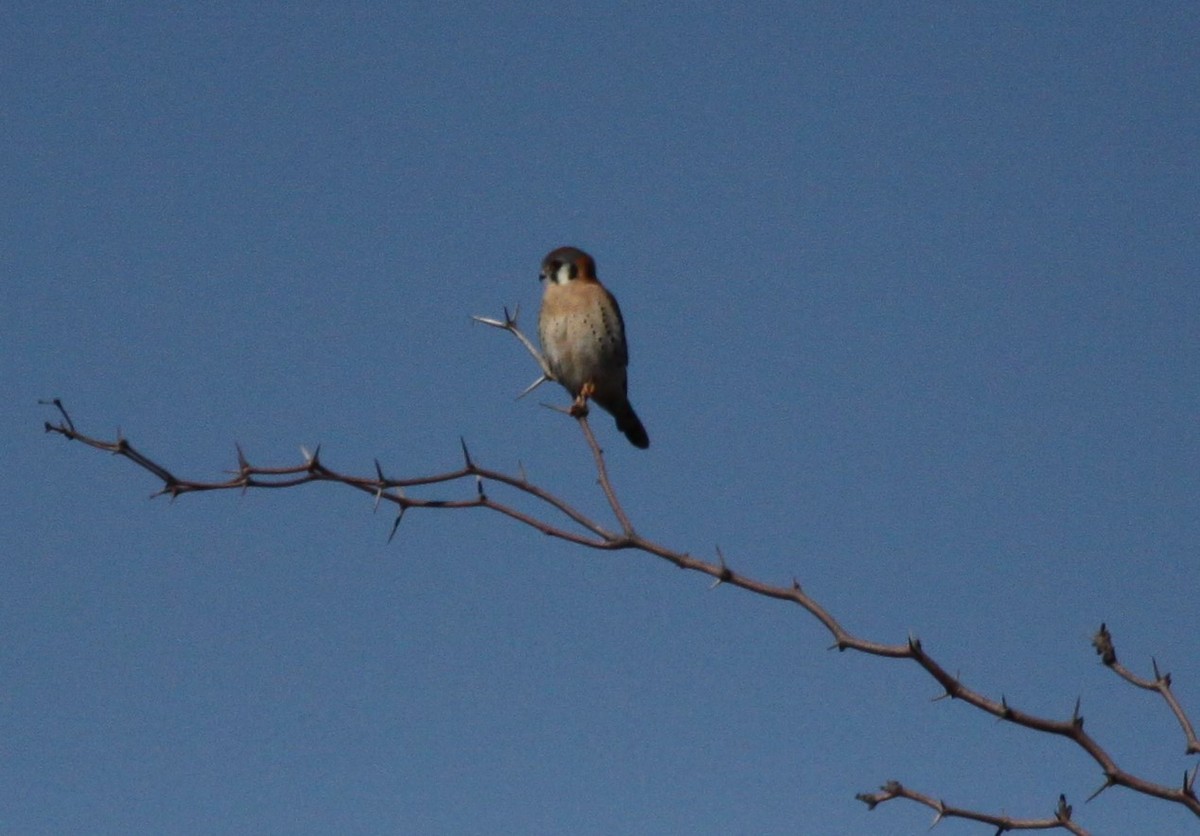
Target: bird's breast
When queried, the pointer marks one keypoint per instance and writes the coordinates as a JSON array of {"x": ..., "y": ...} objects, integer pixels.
[{"x": 579, "y": 339}]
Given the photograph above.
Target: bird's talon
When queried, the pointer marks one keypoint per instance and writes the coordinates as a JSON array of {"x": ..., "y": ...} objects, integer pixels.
[{"x": 579, "y": 408}]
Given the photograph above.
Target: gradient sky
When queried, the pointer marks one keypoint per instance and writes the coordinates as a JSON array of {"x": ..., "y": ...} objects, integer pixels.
[{"x": 913, "y": 301}]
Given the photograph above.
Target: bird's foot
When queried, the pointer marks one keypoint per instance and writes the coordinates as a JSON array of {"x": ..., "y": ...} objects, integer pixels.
[{"x": 579, "y": 408}]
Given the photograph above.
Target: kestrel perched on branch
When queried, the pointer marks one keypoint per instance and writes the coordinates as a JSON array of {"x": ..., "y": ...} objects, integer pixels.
[{"x": 583, "y": 339}]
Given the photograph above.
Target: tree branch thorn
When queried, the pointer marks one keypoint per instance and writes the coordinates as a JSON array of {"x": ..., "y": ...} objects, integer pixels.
[
  {"x": 542, "y": 379},
  {"x": 396, "y": 522},
  {"x": 939, "y": 815},
  {"x": 1108, "y": 782},
  {"x": 313, "y": 459},
  {"x": 725, "y": 573},
  {"x": 563, "y": 409}
]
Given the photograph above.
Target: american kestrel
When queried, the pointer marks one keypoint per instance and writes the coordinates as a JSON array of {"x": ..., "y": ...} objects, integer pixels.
[{"x": 583, "y": 339}]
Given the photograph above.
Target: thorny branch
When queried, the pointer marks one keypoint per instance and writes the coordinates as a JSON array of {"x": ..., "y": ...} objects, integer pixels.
[
  {"x": 894, "y": 789},
  {"x": 509, "y": 324},
  {"x": 1161, "y": 683},
  {"x": 580, "y": 529}
]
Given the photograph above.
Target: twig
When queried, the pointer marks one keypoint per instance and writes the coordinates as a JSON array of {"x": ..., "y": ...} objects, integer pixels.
[
  {"x": 894, "y": 789},
  {"x": 602, "y": 471},
  {"x": 248, "y": 476},
  {"x": 509, "y": 324},
  {"x": 1161, "y": 683}
]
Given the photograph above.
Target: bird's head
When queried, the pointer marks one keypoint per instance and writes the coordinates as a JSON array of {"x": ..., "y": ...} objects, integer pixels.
[{"x": 566, "y": 264}]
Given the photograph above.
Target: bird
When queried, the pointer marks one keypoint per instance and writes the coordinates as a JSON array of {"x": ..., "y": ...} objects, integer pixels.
[{"x": 583, "y": 339}]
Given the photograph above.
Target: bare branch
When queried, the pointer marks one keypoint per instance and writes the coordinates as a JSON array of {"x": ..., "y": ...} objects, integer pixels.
[
  {"x": 894, "y": 789},
  {"x": 602, "y": 471},
  {"x": 509, "y": 324},
  {"x": 1161, "y": 683},
  {"x": 587, "y": 532},
  {"x": 249, "y": 476},
  {"x": 584, "y": 531},
  {"x": 57, "y": 404}
]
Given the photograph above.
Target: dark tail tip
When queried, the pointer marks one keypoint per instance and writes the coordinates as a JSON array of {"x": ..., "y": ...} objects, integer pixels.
[{"x": 633, "y": 429}]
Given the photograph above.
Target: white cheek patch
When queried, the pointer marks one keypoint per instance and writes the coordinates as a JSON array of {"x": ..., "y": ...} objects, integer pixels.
[{"x": 563, "y": 274}]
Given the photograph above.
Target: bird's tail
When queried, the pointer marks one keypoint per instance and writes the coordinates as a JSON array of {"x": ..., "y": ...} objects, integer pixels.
[{"x": 631, "y": 426}]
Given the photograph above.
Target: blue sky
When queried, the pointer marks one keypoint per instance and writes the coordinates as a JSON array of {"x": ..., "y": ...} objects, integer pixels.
[{"x": 914, "y": 312}]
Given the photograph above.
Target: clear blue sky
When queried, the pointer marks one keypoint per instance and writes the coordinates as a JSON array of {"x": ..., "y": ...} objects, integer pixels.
[{"x": 913, "y": 299}]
